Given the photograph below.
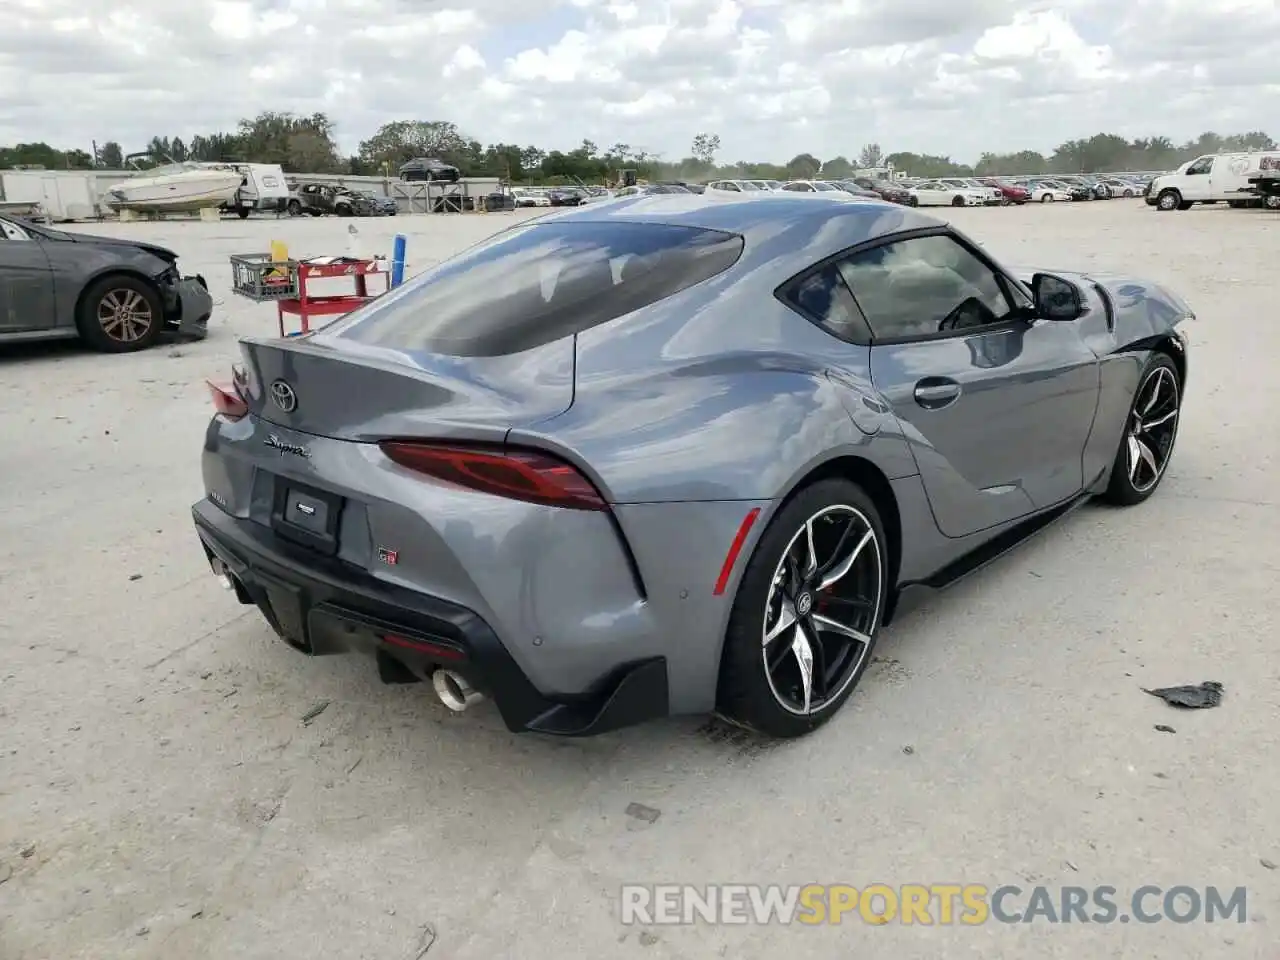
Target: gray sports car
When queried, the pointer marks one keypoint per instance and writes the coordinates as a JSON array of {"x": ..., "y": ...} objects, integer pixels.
[
  {"x": 676, "y": 454},
  {"x": 118, "y": 295}
]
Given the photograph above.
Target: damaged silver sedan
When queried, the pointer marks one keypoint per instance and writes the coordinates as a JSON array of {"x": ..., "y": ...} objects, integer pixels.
[{"x": 117, "y": 295}]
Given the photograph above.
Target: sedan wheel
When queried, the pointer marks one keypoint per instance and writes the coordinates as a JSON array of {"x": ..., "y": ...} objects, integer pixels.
[
  {"x": 120, "y": 314},
  {"x": 1047, "y": 198},
  {"x": 807, "y": 612},
  {"x": 1149, "y": 435},
  {"x": 125, "y": 315}
]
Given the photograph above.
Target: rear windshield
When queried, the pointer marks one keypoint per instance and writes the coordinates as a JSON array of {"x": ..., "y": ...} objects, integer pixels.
[{"x": 538, "y": 283}]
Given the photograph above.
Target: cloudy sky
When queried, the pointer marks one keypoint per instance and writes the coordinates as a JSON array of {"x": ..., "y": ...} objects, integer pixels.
[{"x": 771, "y": 77}]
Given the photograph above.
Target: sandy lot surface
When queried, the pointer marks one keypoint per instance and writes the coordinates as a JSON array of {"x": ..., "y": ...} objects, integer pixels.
[{"x": 162, "y": 796}]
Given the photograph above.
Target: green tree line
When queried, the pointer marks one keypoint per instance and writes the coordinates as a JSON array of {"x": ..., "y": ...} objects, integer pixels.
[{"x": 307, "y": 144}]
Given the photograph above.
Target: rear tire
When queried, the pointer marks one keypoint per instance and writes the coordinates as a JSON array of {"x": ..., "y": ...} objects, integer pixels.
[
  {"x": 120, "y": 314},
  {"x": 242, "y": 212},
  {"x": 1047, "y": 198},
  {"x": 957, "y": 202},
  {"x": 293, "y": 208},
  {"x": 1150, "y": 432},
  {"x": 763, "y": 683}
]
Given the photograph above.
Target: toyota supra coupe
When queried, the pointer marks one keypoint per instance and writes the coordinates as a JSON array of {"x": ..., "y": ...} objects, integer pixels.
[{"x": 676, "y": 455}]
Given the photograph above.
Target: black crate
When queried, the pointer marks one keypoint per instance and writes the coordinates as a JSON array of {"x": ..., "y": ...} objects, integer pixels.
[{"x": 258, "y": 277}]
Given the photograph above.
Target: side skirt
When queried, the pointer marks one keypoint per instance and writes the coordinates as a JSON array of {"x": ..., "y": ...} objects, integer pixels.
[{"x": 909, "y": 592}]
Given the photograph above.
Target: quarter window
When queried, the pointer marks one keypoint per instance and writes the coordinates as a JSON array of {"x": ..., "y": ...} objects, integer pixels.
[
  {"x": 825, "y": 299},
  {"x": 925, "y": 286}
]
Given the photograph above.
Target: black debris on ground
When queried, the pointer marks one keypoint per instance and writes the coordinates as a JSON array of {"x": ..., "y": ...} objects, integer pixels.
[
  {"x": 314, "y": 712},
  {"x": 1199, "y": 697},
  {"x": 1165, "y": 728},
  {"x": 641, "y": 812}
]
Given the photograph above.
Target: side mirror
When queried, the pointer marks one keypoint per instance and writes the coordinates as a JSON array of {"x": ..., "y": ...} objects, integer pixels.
[{"x": 1056, "y": 299}]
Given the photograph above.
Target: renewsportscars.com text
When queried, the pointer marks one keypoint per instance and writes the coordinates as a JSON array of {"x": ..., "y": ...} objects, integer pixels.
[{"x": 927, "y": 904}]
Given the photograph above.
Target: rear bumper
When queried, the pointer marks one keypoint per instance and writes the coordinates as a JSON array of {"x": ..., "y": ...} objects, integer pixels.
[{"x": 320, "y": 605}]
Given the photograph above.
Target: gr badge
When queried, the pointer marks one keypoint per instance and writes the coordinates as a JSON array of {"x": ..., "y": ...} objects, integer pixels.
[{"x": 389, "y": 557}]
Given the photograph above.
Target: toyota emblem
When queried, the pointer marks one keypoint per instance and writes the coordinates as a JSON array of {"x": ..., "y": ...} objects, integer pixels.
[{"x": 284, "y": 396}]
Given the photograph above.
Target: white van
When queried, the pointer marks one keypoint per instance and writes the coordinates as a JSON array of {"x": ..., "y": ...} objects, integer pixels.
[
  {"x": 263, "y": 188},
  {"x": 1209, "y": 179}
]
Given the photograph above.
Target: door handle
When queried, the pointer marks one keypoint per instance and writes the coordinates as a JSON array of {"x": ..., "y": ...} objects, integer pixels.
[{"x": 934, "y": 393}]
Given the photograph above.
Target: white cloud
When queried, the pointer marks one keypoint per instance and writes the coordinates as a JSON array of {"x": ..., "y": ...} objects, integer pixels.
[{"x": 772, "y": 77}]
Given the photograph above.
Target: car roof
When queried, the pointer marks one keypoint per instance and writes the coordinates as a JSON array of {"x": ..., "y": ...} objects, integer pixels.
[{"x": 855, "y": 221}]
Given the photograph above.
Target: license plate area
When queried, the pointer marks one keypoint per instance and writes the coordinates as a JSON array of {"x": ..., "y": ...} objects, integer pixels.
[{"x": 306, "y": 516}]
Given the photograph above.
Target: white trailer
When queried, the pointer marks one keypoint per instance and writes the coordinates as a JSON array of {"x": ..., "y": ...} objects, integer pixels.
[
  {"x": 62, "y": 195},
  {"x": 263, "y": 188}
]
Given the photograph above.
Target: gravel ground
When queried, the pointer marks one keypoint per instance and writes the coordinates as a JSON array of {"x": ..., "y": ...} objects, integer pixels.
[{"x": 161, "y": 794}]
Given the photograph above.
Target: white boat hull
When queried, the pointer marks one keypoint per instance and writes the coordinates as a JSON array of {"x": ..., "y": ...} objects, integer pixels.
[{"x": 179, "y": 193}]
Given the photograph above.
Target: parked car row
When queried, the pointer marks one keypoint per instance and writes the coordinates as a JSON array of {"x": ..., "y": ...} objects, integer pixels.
[
  {"x": 1081, "y": 187},
  {"x": 557, "y": 196},
  {"x": 1004, "y": 191},
  {"x": 956, "y": 191}
]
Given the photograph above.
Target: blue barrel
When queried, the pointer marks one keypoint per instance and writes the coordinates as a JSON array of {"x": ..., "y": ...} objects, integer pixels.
[{"x": 397, "y": 261}]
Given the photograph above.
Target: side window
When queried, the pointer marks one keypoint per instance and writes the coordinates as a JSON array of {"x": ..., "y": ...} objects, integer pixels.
[
  {"x": 1201, "y": 166},
  {"x": 925, "y": 286},
  {"x": 824, "y": 298}
]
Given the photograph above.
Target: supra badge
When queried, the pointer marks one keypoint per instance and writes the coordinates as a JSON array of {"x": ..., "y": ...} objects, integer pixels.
[{"x": 297, "y": 449}]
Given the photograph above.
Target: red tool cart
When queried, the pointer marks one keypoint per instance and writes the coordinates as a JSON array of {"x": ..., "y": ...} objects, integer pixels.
[{"x": 262, "y": 279}]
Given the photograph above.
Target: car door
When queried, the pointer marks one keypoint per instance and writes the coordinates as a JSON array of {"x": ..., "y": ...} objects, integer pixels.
[
  {"x": 26, "y": 282},
  {"x": 998, "y": 404},
  {"x": 1195, "y": 182}
]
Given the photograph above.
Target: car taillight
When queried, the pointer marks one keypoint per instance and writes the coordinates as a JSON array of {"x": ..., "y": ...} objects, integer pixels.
[
  {"x": 227, "y": 400},
  {"x": 527, "y": 475}
]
